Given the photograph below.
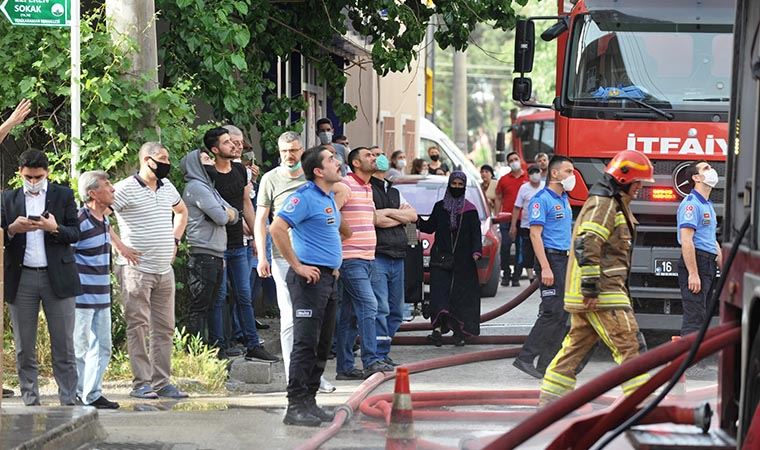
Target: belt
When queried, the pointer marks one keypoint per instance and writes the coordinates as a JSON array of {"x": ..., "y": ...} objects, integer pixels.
[
  {"x": 36, "y": 269},
  {"x": 323, "y": 269},
  {"x": 551, "y": 251},
  {"x": 706, "y": 254}
]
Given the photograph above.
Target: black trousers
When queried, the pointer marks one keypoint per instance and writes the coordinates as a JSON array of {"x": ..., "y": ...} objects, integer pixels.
[
  {"x": 204, "y": 277},
  {"x": 314, "y": 307},
  {"x": 545, "y": 338},
  {"x": 694, "y": 305}
]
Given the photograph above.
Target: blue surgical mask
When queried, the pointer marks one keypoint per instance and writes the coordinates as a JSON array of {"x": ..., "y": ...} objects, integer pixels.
[{"x": 382, "y": 163}]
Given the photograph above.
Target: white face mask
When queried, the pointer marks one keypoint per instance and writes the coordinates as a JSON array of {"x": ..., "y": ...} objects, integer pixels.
[
  {"x": 34, "y": 188},
  {"x": 515, "y": 165},
  {"x": 535, "y": 177},
  {"x": 401, "y": 164},
  {"x": 711, "y": 177},
  {"x": 423, "y": 172},
  {"x": 325, "y": 137},
  {"x": 568, "y": 183}
]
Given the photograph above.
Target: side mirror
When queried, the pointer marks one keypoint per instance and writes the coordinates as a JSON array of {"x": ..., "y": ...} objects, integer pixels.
[
  {"x": 555, "y": 30},
  {"x": 525, "y": 42},
  {"x": 502, "y": 217},
  {"x": 522, "y": 88},
  {"x": 501, "y": 156},
  {"x": 500, "y": 141}
]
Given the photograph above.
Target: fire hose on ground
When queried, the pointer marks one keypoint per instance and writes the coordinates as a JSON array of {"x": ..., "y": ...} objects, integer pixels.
[{"x": 718, "y": 337}]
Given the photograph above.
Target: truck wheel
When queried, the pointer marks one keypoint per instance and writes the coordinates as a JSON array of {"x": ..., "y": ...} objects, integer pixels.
[
  {"x": 752, "y": 382},
  {"x": 489, "y": 289}
]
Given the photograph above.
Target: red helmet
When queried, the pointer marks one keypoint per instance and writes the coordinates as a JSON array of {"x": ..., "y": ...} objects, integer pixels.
[{"x": 630, "y": 166}]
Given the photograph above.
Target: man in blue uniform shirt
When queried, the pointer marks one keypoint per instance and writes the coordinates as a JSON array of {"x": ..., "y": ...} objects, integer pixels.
[
  {"x": 551, "y": 221},
  {"x": 314, "y": 257},
  {"x": 700, "y": 251}
]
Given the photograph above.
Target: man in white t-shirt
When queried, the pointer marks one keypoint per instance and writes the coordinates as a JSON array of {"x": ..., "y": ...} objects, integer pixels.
[{"x": 522, "y": 235}]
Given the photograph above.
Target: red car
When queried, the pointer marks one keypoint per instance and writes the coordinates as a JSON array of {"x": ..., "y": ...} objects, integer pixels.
[{"x": 423, "y": 192}]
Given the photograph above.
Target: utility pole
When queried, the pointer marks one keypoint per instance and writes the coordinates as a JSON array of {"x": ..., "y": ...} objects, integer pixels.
[
  {"x": 136, "y": 20},
  {"x": 459, "y": 119}
]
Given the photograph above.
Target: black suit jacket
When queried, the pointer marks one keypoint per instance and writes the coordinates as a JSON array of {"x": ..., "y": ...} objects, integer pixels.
[{"x": 62, "y": 270}]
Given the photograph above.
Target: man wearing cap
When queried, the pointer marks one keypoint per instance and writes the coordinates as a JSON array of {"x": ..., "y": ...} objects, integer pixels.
[
  {"x": 700, "y": 250},
  {"x": 596, "y": 291},
  {"x": 550, "y": 231}
]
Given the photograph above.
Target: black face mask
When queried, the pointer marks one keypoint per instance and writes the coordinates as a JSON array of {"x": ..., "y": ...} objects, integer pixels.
[
  {"x": 211, "y": 171},
  {"x": 435, "y": 157},
  {"x": 161, "y": 170},
  {"x": 456, "y": 192}
]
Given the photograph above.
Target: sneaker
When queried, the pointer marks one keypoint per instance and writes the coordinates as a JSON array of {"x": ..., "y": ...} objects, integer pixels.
[
  {"x": 527, "y": 368},
  {"x": 390, "y": 362},
  {"x": 375, "y": 367},
  {"x": 171, "y": 391},
  {"x": 298, "y": 414},
  {"x": 7, "y": 393},
  {"x": 515, "y": 283},
  {"x": 325, "y": 387},
  {"x": 144, "y": 392},
  {"x": 234, "y": 351},
  {"x": 104, "y": 403},
  {"x": 459, "y": 341},
  {"x": 260, "y": 353},
  {"x": 505, "y": 282},
  {"x": 261, "y": 325},
  {"x": 353, "y": 374}
]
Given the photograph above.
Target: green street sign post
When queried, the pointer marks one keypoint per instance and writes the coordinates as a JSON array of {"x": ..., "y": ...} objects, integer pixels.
[
  {"x": 38, "y": 13},
  {"x": 55, "y": 13}
]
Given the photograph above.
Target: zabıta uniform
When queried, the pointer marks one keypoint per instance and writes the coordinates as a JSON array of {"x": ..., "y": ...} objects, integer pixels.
[
  {"x": 314, "y": 221},
  {"x": 697, "y": 213},
  {"x": 551, "y": 211}
]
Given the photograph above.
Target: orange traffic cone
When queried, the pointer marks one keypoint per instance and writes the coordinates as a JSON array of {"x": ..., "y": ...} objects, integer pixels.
[
  {"x": 680, "y": 387},
  {"x": 401, "y": 428}
]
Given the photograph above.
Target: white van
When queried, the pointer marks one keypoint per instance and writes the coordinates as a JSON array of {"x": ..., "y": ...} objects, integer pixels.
[{"x": 455, "y": 158}]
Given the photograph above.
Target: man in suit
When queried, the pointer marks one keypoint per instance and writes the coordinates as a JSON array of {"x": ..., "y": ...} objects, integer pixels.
[{"x": 40, "y": 223}]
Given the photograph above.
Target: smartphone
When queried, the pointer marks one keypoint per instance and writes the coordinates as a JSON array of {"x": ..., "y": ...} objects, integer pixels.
[{"x": 35, "y": 218}]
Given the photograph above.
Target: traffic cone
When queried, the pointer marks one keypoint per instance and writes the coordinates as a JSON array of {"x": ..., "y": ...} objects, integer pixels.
[
  {"x": 680, "y": 387},
  {"x": 401, "y": 427}
]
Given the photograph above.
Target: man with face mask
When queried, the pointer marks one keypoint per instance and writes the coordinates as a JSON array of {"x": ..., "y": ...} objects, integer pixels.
[
  {"x": 434, "y": 153},
  {"x": 596, "y": 292},
  {"x": 521, "y": 236},
  {"x": 40, "y": 223},
  {"x": 506, "y": 194},
  {"x": 551, "y": 222},
  {"x": 208, "y": 213},
  {"x": 152, "y": 218},
  {"x": 700, "y": 250},
  {"x": 325, "y": 135}
]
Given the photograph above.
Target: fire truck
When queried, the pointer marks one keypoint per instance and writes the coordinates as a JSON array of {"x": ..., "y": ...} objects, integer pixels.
[{"x": 644, "y": 75}]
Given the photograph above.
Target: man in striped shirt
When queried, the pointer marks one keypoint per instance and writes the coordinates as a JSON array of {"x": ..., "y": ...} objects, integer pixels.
[
  {"x": 152, "y": 219},
  {"x": 356, "y": 203},
  {"x": 92, "y": 328}
]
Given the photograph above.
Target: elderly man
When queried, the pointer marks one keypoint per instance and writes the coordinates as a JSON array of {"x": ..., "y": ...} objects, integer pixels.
[
  {"x": 40, "y": 223},
  {"x": 92, "y": 330},
  {"x": 152, "y": 218}
]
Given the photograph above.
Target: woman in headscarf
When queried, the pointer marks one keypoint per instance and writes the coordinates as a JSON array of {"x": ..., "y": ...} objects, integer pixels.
[{"x": 454, "y": 285}]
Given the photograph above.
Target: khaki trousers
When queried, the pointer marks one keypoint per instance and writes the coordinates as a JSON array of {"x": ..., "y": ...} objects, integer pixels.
[
  {"x": 617, "y": 328},
  {"x": 149, "y": 312}
]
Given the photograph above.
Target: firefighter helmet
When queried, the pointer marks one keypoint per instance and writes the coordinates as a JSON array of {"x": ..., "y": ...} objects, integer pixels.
[{"x": 629, "y": 166}]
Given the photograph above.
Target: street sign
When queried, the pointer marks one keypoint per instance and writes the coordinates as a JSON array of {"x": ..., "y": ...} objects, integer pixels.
[{"x": 38, "y": 13}]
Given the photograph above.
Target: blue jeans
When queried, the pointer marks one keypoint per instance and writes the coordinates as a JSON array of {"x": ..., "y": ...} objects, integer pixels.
[
  {"x": 388, "y": 284},
  {"x": 239, "y": 273},
  {"x": 257, "y": 283},
  {"x": 92, "y": 350},
  {"x": 359, "y": 297}
]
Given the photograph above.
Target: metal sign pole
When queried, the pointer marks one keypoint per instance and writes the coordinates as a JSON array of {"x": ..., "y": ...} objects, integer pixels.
[{"x": 76, "y": 122}]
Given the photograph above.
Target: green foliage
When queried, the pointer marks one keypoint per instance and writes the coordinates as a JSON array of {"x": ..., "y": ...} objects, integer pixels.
[
  {"x": 228, "y": 47},
  {"x": 118, "y": 112}
]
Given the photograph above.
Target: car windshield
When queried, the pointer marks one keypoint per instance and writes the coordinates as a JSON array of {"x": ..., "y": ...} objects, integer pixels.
[
  {"x": 615, "y": 56},
  {"x": 422, "y": 196}
]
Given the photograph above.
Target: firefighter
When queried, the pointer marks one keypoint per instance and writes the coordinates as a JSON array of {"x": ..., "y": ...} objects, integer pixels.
[
  {"x": 596, "y": 292},
  {"x": 700, "y": 250}
]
